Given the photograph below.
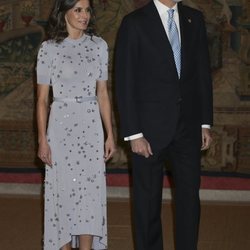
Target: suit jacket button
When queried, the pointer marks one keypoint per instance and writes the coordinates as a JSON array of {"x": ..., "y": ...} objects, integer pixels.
[{"x": 179, "y": 100}]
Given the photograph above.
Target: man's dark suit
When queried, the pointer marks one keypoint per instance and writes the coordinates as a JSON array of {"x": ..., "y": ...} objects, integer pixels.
[{"x": 169, "y": 112}]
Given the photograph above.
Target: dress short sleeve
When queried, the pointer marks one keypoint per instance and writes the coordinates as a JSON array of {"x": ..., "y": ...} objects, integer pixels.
[
  {"x": 44, "y": 64},
  {"x": 104, "y": 61}
]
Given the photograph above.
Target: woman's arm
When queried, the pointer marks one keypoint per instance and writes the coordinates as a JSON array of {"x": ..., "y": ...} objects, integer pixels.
[
  {"x": 105, "y": 110},
  {"x": 44, "y": 152}
]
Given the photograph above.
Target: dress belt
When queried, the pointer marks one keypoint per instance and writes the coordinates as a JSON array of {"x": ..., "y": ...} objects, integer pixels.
[{"x": 77, "y": 99}]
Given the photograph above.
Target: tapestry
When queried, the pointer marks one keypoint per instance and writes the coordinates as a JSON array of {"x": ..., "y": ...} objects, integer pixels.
[{"x": 22, "y": 31}]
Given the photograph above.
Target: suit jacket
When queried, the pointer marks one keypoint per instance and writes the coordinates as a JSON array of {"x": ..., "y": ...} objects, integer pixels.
[{"x": 150, "y": 96}]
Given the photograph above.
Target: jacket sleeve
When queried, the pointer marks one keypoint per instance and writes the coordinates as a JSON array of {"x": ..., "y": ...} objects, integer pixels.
[
  {"x": 205, "y": 79},
  {"x": 126, "y": 59}
]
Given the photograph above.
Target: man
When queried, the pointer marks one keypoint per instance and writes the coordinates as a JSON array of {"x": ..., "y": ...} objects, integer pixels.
[{"x": 164, "y": 96}]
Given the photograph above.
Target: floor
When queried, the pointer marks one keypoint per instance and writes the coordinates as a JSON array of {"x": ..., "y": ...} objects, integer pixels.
[{"x": 224, "y": 226}]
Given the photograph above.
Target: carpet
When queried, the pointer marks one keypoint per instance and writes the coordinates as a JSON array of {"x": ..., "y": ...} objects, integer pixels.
[{"x": 122, "y": 178}]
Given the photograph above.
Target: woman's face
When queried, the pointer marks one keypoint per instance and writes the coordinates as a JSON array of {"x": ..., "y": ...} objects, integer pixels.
[{"x": 77, "y": 18}]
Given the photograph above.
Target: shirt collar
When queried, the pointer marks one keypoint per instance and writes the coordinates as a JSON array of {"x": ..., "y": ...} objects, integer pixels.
[{"x": 162, "y": 8}]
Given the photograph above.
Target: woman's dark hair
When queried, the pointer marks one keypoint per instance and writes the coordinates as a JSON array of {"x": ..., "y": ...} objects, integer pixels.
[{"x": 57, "y": 25}]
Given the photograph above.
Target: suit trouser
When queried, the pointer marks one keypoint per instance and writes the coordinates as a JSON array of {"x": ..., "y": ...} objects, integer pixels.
[{"x": 184, "y": 155}]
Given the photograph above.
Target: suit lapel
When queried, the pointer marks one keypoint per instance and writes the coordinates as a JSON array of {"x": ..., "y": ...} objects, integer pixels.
[
  {"x": 160, "y": 39},
  {"x": 158, "y": 34},
  {"x": 185, "y": 33}
]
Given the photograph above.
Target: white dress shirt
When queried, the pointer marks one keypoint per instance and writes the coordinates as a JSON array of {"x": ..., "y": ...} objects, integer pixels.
[{"x": 163, "y": 13}]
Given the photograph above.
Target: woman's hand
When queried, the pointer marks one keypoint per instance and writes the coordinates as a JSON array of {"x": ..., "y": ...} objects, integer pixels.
[
  {"x": 110, "y": 148},
  {"x": 44, "y": 153},
  {"x": 105, "y": 110}
]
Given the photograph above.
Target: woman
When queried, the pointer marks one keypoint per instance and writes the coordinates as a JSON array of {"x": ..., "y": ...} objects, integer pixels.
[{"x": 74, "y": 62}]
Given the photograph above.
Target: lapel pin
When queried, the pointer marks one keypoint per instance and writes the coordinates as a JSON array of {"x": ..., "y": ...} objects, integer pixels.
[{"x": 189, "y": 20}]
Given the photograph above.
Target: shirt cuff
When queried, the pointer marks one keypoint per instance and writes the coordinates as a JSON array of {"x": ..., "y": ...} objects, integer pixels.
[
  {"x": 139, "y": 135},
  {"x": 206, "y": 126},
  {"x": 133, "y": 137}
]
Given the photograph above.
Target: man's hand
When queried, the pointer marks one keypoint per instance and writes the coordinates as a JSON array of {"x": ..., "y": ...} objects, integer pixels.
[
  {"x": 141, "y": 146},
  {"x": 206, "y": 138}
]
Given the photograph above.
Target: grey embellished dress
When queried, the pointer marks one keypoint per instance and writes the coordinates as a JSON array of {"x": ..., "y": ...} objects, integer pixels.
[{"x": 75, "y": 187}]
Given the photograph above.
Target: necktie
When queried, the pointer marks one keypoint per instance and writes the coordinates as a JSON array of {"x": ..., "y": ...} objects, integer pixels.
[{"x": 174, "y": 40}]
